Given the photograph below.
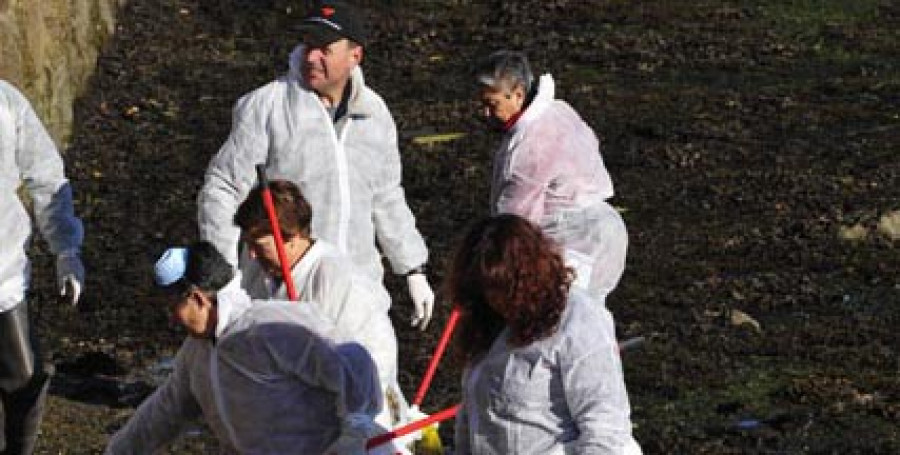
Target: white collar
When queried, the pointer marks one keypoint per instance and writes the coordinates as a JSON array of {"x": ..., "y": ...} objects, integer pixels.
[
  {"x": 546, "y": 91},
  {"x": 304, "y": 266},
  {"x": 231, "y": 302}
]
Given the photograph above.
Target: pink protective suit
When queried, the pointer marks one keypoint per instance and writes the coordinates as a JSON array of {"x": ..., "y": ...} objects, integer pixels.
[{"x": 548, "y": 169}]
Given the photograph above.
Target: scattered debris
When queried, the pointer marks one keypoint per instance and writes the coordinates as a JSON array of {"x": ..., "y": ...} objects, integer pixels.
[{"x": 739, "y": 319}]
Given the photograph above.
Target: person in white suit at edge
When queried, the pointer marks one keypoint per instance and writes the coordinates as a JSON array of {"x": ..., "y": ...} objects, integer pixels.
[{"x": 28, "y": 155}]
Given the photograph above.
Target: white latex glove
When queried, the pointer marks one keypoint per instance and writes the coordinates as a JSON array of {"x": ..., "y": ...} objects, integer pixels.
[
  {"x": 69, "y": 276},
  {"x": 422, "y": 299}
]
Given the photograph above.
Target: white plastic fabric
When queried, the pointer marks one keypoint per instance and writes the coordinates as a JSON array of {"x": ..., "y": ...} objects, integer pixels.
[
  {"x": 548, "y": 169},
  {"x": 355, "y": 304},
  {"x": 279, "y": 379},
  {"x": 562, "y": 394},
  {"x": 28, "y": 155},
  {"x": 352, "y": 181},
  {"x": 356, "y": 430}
]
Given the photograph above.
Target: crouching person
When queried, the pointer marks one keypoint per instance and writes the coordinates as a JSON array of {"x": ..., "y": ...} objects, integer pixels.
[
  {"x": 543, "y": 374},
  {"x": 354, "y": 303},
  {"x": 269, "y": 377}
]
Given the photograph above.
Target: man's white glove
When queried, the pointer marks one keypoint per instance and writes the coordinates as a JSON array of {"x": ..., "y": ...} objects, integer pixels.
[
  {"x": 422, "y": 299},
  {"x": 69, "y": 276}
]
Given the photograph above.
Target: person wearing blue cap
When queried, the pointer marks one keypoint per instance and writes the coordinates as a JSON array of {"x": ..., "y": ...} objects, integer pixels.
[
  {"x": 29, "y": 159},
  {"x": 269, "y": 377},
  {"x": 321, "y": 127}
]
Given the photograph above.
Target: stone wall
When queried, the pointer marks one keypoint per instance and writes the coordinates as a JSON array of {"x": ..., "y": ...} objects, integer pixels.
[{"x": 49, "y": 49}]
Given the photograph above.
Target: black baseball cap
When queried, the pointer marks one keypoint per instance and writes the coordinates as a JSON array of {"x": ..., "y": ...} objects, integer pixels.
[{"x": 330, "y": 21}]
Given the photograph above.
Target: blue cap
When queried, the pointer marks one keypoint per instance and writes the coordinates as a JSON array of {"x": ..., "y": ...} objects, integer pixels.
[{"x": 171, "y": 266}]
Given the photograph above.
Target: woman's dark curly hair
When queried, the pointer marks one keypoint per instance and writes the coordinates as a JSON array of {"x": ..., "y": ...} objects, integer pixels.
[{"x": 504, "y": 262}]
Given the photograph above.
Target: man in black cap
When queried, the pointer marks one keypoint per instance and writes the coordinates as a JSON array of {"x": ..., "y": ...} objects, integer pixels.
[{"x": 320, "y": 127}]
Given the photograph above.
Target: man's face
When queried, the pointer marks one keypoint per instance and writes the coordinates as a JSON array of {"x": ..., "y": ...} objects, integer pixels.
[
  {"x": 326, "y": 68},
  {"x": 192, "y": 311},
  {"x": 499, "y": 105}
]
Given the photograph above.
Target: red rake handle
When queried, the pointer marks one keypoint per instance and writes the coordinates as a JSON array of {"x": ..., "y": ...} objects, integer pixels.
[
  {"x": 276, "y": 231},
  {"x": 412, "y": 427},
  {"x": 436, "y": 357}
]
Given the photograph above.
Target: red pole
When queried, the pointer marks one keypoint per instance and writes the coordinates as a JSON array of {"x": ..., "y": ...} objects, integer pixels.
[
  {"x": 412, "y": 427},
  {"x": 436, "y": 357},
  {"x": 276, "y": 231}
]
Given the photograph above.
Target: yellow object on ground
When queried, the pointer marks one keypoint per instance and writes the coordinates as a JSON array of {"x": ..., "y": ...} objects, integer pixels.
[
  {"x": 430, "y": 444},
  {"x": 436, "y": 138}
]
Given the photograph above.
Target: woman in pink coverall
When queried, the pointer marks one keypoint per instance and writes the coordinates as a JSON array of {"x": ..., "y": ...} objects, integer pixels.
[{"x": 548, "y": 169}]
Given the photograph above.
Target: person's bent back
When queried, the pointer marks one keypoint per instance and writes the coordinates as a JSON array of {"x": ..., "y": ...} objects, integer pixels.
[{"x": 269, "y": 377}]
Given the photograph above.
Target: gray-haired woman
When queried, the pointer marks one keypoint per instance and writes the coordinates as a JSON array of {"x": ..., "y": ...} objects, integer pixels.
[{"x": 548, "y": 169}]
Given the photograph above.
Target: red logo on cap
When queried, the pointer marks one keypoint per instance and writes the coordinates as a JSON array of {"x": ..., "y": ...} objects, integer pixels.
[{"x": 327, "y": 11}]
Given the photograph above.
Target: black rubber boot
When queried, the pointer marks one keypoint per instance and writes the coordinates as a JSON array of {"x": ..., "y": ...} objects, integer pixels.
[
  {"x": 17, "y": 354},
  {"x": 24, "y": 409},
  {"x": 23, "y": 383}
]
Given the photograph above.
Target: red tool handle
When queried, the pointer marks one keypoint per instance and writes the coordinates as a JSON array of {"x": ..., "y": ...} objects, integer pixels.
[
  {"x": 276, "y": 231},
  {"x": 436, "y": 357},
  {"x": 412, "y": 427}
]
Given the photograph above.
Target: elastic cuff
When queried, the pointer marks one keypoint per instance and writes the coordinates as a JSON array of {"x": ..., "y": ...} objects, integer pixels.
[
  {"x": 422, "y": 269},
  {"x": 70, "y": 252}
]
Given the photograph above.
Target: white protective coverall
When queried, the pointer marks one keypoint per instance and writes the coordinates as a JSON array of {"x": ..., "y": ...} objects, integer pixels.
[
  {"x": 548, "y": 169},
  {"x": 28, "y": 154},
  {"x": 270, "y": 383},
  {"x": 351, "y": 179},
  {"x": 560, "y": 395},
  {"x": 355, "y": 304}
]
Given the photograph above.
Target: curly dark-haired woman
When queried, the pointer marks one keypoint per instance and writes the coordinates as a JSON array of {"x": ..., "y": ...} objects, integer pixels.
[{"x": 542, "y": 370}]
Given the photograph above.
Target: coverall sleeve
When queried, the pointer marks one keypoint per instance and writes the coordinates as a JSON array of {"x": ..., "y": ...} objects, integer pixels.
[
  {"x": 524, "y": 191},
  {"x": 595, "y": 393},
  {"x": 41, "y": 170},
  {"x": 161, "y": 417},
  {"x": 395, "y": 225},
  {"x": 230, "y": 176}
]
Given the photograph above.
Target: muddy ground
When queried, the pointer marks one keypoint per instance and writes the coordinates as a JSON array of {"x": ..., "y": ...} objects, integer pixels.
[{"x": 754, "y": 149}]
